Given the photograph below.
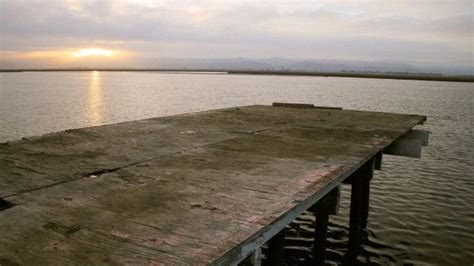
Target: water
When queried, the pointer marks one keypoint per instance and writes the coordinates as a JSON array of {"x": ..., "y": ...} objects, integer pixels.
[{"x": 421, "y": 210}]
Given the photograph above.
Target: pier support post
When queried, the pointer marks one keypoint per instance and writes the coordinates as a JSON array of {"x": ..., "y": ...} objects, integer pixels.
[
  {"x": 255, "y": 259},
  {"x": 366, "y": 178},
  {"x": 378, "y": 160},
  {"x": 326, "y": 206},
  {"x": 359, "y": 211},
  {"x": 276, "y": 249},
  {"x": 320, "y": 235}
]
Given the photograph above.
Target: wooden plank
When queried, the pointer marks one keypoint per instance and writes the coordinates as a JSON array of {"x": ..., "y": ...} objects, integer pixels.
[
  {"x": 135, "y": 193},
  {"x": 199, "y": 188},
  {"x": 304, "y": 105},
  {"x": 293, "y": 105}
]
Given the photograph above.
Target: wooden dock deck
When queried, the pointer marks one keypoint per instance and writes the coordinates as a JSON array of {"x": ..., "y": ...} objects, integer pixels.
[{"x": 199, "y": 188}]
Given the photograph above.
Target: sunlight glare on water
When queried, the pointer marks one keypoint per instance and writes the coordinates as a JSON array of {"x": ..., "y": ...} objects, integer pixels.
[{"x": 95, "y": 112}]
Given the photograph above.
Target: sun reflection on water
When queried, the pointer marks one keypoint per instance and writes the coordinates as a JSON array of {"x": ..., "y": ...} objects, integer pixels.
[{"x": 95, "y": 98}]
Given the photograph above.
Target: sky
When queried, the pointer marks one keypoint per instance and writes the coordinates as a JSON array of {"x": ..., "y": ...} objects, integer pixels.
[{"x": 70, "y": 33}]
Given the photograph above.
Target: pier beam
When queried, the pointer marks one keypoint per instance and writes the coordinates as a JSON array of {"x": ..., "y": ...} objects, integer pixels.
[
  {"x": 359, "y": 211},
  {"x": 409, "y": 145},
  {"x": 276, "y": 249}
]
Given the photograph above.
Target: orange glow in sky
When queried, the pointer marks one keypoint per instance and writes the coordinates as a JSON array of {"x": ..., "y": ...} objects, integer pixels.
[
  {"x": 69, "y": 56},
  {"x": 93, "y": 52}
]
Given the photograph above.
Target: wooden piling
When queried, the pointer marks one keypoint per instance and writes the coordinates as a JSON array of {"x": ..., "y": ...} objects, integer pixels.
[
  {"x": 276, "y": 249},
  {"x": 354, "y": 221},
  {"x": 366, "y": 178},
  {"x": 320, "y": 235},
  {"x": 378, "y": 160},
  {"x": 360, "y": 182},
  {"x": 255, "y": 259},
  {"x": 326, "y": 206}
]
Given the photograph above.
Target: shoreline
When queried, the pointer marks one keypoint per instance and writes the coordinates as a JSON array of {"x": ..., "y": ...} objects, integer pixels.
[{"x": 374, "y": 75}]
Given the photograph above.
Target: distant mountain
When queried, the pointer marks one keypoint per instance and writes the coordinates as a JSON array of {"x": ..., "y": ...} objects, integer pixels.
[
  {"x": 362, "y": 66},
  {"x": 225, "y": 63},
  {"x": 260, "y": 64},
  {"x": 284, "y": 64}
]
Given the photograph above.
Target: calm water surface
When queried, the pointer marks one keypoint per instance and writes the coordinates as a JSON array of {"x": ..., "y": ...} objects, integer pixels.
[{"x": 422, "y": 211}]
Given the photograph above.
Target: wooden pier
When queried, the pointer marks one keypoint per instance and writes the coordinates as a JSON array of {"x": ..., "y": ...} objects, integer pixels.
[{"x": 201, "y": 188}]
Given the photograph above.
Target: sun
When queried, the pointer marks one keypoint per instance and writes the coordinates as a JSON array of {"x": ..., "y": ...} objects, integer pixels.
[{"x": 93, "y": 52}]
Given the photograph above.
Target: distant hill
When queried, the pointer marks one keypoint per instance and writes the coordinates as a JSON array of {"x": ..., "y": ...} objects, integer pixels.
[
  {"x": 261, "y": 64},
  {"x": 284, "y": 64}
]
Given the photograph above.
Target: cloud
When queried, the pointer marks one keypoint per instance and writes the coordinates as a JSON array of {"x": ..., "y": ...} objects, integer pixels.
[{"x": 411, "y": 31}]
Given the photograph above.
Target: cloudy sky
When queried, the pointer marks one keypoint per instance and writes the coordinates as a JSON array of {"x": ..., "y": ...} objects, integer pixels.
[{"x": 119, "y": 33}]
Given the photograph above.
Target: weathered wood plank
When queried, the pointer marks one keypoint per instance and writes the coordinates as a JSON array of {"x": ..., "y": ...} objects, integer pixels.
[
  {"x": 293, "y": 105},
  {"x": 187, "y": 189}
]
